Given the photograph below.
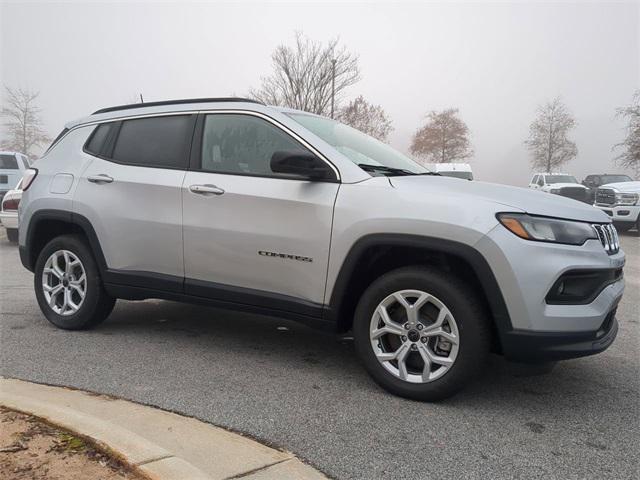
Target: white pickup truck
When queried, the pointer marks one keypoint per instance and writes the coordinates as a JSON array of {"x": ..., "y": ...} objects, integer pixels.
[{"x": 621, "y": 201}]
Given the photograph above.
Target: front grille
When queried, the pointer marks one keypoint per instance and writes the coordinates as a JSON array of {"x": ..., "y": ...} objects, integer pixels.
[
  {"x": 608, "y": 237},
  {"x": 576, "y": 193},
  {"x": 605, "y": 196}
]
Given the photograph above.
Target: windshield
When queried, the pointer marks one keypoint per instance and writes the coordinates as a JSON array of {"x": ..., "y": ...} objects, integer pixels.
[
  {"x": 361, "y": 149},
  {"x": 614, "y": 179},
  {"x": 457, "y": 174},
  {"x": 560, "y": 179}
]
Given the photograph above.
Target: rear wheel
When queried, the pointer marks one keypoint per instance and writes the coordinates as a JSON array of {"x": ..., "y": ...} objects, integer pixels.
[
  {"x": 12, "y": 235},
  {"x": 68, "y": 285},
  {"x": 421, "y": 333}
]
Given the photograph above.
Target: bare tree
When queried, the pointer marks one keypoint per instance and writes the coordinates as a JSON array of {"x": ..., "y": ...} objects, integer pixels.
[
  {"x": 23, "y": 124},
  {"x": 303, "y": 74},
  {"x": 366, "y": 117},
  {"x": 444, "y": 138},
  {"x": 548, "y": 139},
  {"x": 630, "y": 155}
]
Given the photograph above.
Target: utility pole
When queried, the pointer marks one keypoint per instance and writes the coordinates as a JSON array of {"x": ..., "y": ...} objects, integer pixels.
[{"x": 333, "y": 86}]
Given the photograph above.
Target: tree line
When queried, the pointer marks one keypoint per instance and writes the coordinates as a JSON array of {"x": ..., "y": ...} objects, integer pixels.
[
  {"x": 302, "y": 78},
  {"x": 315, "y": 76}
]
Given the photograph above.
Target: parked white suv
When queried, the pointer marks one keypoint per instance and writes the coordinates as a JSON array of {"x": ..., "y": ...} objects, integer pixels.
[
  {"x": 9, "y": 212},
  {"x": 560, "y": 184},
  {"x": 236, "y": 204},
  {"x": 12, "y": 167},
  {"x": 621, "y": 201}
]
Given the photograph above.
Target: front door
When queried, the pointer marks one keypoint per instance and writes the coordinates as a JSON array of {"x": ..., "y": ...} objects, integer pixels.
[{"x": 250, "y": 235}]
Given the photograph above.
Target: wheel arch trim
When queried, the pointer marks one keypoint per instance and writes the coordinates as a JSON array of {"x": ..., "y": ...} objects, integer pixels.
[
  {"x": 26, "y": 257},
  {"x": 467, "y": 253}
]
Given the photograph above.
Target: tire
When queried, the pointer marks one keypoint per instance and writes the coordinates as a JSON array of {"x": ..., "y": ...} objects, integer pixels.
[
  {"x": 12, "y": 235},
  {"x": 91, "y": 310},
  {"x": 447, "y": 297}
]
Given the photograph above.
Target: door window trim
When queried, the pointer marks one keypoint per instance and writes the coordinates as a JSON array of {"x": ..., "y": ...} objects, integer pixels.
[{"x": 195, "y": 161}]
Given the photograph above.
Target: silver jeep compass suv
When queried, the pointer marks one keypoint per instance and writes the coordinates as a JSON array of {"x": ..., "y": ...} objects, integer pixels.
[{"x": 240, "y": 205}]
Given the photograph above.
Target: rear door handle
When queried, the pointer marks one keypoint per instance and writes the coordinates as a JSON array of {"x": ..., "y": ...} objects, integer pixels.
[
  {"x": 102, "y": 178},
  {"x": 206, "y": 189}
]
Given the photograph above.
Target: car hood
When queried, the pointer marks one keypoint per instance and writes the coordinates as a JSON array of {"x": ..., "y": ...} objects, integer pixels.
[
  {"x": 626, "y": 187},
  {"x": 508, "y": 198},
  {"x": 563, "y": 185}
]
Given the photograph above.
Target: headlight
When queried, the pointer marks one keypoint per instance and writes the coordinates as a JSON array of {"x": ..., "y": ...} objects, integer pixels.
[
  {"x": 545, "y": 229},
  {"x": 626, "y": 198}
]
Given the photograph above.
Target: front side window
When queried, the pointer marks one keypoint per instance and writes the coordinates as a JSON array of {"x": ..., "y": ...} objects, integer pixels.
[
  {"x": 154, "y": 141},
  {"x": 541, "y": 180},
  {"x": 8, "y": 162},
  {"x": 243, "y": 144}
]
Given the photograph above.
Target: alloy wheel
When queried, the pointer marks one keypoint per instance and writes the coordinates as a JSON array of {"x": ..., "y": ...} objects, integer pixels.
[
  {"x": 64, "y": 282},
  {"x": 414, "y": 336}
]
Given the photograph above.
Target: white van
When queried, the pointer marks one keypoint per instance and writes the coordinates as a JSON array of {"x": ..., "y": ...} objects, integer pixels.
[{"x": 458, "y": 170}]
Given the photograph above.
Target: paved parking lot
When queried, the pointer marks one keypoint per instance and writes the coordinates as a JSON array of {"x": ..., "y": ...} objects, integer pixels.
[{"x": 304, "y": 391}]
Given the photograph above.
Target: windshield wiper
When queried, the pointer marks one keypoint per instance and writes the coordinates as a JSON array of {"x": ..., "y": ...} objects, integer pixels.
[
  {"x": 395, "y": 171},
  {"x": 384, "y": 169}
]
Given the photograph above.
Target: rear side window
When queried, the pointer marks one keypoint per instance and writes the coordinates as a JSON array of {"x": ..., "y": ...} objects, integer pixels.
[
  {"x": 154, "y": 142},
  {"x": 96, "y": 143},
  {"x": 55, "y": 140},
  {"x": 8, "y": 162}
]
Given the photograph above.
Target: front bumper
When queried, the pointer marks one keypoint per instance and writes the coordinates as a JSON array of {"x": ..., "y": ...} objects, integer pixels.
[
  {"x": 526, "y": 271},
  {"x": 9, "y": 220},
  {"x": 526, "y": 346},
  {"x": 621, "y": 214}
]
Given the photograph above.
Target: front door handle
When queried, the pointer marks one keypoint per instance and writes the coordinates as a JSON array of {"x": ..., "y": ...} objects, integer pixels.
[
  {"x": 102, "y": 178},
  {"x": 206, "y": 189}
]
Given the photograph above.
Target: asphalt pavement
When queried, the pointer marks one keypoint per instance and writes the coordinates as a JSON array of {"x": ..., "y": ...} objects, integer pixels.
[{"x": 304, "y": 391}]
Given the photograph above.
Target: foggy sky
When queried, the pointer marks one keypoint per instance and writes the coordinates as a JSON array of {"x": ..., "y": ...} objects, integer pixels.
[{"x": 495, "y": 62}]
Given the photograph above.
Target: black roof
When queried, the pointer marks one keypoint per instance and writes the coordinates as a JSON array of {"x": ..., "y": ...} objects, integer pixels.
[{"x": 174, "y": 102}]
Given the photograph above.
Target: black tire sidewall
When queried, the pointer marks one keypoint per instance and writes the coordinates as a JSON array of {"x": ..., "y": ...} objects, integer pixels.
[
  {"x": 96, "y": 302},
  {"x": 466, "y": 308}
]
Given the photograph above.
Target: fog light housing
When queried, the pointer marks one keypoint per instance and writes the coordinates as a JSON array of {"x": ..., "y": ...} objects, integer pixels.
[{"x": 580, "y": 287}]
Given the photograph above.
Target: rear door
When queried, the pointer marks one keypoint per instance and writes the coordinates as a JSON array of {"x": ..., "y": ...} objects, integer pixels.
[
  {"x": 131, "y": 195},
  {"x": 251, "y": 235},
  {"x": 10, "y": 172}
]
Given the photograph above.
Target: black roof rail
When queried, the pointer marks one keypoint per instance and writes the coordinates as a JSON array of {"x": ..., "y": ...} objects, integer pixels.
[{"x": 175, "y": 102}]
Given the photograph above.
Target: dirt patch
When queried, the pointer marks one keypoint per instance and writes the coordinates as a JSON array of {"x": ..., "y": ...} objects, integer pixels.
[{"x": 33, "y": 450}]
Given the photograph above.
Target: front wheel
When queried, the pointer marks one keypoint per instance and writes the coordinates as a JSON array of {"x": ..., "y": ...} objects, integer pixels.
[
  {"x": 68, "y": 285},
  {"x": 421, "y": 333}
]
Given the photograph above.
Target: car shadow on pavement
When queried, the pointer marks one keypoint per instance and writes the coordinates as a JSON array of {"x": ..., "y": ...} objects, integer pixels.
[{"x": 241, "y": 340}]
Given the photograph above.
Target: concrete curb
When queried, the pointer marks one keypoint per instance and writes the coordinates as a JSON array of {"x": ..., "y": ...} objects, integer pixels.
[{"x": 162, "y": 445}]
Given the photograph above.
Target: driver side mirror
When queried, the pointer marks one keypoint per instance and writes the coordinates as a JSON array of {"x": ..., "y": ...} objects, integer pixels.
[{"x": 301, "y": 164}]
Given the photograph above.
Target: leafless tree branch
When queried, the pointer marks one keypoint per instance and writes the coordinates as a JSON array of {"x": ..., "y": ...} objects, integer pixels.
[
  {"x": 630, "y": 155},
  {"x": 368, "y": 118},
  {"x": 23, "y": 123},
  {"x": 302, "y": 75},
  {"x": 548, "y": 139}
]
